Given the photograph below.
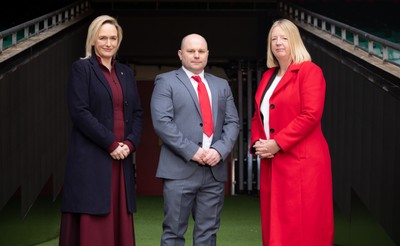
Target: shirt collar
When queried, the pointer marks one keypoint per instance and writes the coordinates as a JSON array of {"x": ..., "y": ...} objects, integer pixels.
[
  {"x": 190, "y": 74},
  {"x": 101, "y": 63}
]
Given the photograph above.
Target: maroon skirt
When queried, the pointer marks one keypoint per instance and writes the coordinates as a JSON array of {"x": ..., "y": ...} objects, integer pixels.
[{"x": 115, "y": 228}]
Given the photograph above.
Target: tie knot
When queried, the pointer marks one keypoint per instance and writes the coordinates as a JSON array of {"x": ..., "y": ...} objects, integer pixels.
[{"x": 197, "y": 78}]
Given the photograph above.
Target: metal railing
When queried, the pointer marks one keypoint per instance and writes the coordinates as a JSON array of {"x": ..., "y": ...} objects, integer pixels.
[
  {"x": 24, "y": 31},
  {"x": 384, "y": 49}
]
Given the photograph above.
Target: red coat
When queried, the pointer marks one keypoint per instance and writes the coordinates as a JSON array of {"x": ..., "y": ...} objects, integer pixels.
[{"x": 296, "y": 185}]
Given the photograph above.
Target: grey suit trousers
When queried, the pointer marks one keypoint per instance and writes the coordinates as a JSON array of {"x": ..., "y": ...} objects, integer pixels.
[{"x": 201, "y": 195}]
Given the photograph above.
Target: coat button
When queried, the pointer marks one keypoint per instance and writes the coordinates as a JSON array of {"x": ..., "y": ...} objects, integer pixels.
[
  {"x": 272, "y": 106},
  {"x": 200, "y": 144},
  {"x": 272, "y": 130},
  {"x": 201, "y": 124}
]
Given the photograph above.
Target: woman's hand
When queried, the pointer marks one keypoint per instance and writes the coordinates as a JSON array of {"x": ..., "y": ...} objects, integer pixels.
[
  {"x": 266, "y": 148},
  {"x": 121, "y": 152}
]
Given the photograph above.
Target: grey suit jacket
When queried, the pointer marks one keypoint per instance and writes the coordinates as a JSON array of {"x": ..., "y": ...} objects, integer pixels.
[{"x": 176, "y": 118}]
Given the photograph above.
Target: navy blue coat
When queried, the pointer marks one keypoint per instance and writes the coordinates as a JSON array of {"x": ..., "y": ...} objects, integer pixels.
[{"x": 87, "y": 184}]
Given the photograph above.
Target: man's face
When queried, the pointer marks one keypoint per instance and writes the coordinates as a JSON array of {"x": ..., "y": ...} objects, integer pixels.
[{"x": 194, "y": 53}]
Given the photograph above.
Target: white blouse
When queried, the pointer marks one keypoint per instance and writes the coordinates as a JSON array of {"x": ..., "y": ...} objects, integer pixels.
[{"x": 265, "y": 104}]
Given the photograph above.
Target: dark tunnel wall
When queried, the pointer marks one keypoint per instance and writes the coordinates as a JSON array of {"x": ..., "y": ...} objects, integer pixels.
[
  {"x": 34, "y": 125},
  {"x": 361, "y": 123}
]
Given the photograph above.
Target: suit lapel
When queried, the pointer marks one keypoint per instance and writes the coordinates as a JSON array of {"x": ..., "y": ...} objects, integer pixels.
[
  {"x": 214, "y": 95},
  {"x": 182, "y": 76}
]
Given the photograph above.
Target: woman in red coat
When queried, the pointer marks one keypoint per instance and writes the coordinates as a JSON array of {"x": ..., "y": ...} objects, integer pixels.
[{"x": 295, "y": 174}]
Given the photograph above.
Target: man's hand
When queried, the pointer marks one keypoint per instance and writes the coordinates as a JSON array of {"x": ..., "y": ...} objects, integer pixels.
[
  {"x": 199, "y": 156},
  {"x": 212, "y": 158}
]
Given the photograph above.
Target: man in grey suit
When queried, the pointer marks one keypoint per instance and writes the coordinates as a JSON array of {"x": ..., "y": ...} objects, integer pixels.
[{"x": 192, "y": 163}]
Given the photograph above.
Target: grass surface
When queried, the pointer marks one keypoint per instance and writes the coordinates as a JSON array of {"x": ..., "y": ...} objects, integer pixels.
[
  {"x": 240, "y": 224},
  {"x": 40, "y": 225}
]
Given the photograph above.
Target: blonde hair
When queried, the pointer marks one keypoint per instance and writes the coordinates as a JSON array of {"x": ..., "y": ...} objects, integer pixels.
[
  {"x": 298, "y": 53},
  {"x": 93, "y": 33}
]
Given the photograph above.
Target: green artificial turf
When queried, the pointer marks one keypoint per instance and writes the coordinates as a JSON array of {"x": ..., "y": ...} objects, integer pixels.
[
  {"x": 240, "y": 224},
  {"x": 40, "y": 225}
]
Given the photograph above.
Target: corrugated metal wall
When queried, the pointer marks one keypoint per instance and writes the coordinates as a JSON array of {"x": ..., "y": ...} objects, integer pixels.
[
  {"x": 34, "y": 122},
  {"x": 362, "y": 125}
]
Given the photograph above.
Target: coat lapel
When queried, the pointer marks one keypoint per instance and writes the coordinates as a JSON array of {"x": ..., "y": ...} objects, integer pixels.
[
  {"x": 121, "y": 76},
  {"x": 99, "y": 74},
  {"x": 287, "y": 77},
  {"x": 263, "y": 85}
]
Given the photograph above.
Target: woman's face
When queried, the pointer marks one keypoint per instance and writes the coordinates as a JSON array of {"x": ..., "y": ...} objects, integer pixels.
[
  {"x": 280, "y": 44},
  {"x": 106, "y": 43}
]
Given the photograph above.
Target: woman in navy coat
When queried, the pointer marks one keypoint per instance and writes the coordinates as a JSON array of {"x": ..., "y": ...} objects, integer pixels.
[{"x": 104, "y": 105}]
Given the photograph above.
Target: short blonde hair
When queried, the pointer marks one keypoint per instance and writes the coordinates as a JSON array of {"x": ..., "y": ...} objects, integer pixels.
[
  {"x": 93, "y": 33},
  {"x": 299, "y": 52}
]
